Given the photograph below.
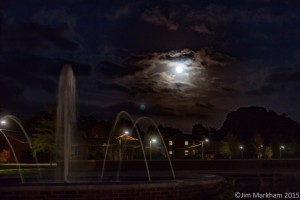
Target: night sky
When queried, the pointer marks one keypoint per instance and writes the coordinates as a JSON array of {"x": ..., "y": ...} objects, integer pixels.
[{"x": 180, "y": 62}]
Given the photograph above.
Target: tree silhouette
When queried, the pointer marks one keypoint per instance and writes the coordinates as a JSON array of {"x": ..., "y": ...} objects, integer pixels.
[{"x": 200, "y": 132}]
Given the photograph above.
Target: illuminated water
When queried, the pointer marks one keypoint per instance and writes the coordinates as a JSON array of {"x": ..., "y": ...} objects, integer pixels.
[{"x": 66, "y": 116}]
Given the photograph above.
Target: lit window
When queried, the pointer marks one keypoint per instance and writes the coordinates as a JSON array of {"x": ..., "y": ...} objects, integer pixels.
[
  {"x": 171, "y": 152},
  {"x": 170, "y": 142},
  {"x": 186, "y": 142},
  {"x": 186, "y": 152}
]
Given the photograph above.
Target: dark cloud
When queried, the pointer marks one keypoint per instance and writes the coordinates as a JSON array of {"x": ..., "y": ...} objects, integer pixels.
[
  {"x": 122, "y": 11},
  {"x": 143, "y": 89},
  {"x": 34, "y": 36},
  {"x": 35, "y": 82},
  {"x": 130, "y": 107},
  {"x": 112, "y": 69},
  {"x": 21, "y": 64},
  {"x": 206, "y": 106},
  {"x": 12, "y": 100},
  {"x": 80, "y": 69},
  {"x": 264, "y": 90},
  {"x": 10, "y": 89},
  {"x": 135, "y": 109},
  {"x": 116, "y": 87},
  {"x": 161, "y": 17},
  {"x": 284, "y": 76}
]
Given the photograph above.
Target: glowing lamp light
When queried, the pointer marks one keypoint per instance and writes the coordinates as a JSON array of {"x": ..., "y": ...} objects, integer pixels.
[{"x": 3, "y": 122}]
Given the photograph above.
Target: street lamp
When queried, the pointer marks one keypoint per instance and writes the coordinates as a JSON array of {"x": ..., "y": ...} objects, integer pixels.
[
  {"x": 242, "y": 153},
  {"x": 280, "y": 149},
  {"x": 202, "y": 147},
  {"x": 120, "y": 143},
  {"x": 153, "y": 140},
  {"x": 2, "y": 123}
]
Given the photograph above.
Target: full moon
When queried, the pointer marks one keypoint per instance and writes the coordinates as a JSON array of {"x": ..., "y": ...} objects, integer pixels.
[{"x": 179, "y": 69}]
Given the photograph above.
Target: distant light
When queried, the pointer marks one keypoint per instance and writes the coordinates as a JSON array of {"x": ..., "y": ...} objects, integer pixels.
[
  {"x": 241, "y": 147},
  {"x": 153, "y": 140},
  {"x": 3, "y": 122},
  {"x": 206, "y": 140},
  {"x": 282, "y": 147},
  {"x": 126, "y": 132}
]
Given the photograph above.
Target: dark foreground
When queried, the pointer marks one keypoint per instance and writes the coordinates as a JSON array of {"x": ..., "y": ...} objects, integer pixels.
[{"x": 243, "y": 177}]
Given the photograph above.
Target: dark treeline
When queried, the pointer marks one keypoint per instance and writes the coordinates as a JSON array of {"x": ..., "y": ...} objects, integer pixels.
[{"x": 257, "y": 129}]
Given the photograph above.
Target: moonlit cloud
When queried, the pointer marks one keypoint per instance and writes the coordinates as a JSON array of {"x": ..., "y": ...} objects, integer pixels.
[
  {"x": 156, "y": 82},
  {"x": 202, "y": 28}
]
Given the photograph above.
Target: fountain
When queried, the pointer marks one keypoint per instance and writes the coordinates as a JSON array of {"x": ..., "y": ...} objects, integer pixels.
[
  {"x": 18, "y": 122},
  {"x": 182, "y": 187},
  {"x": 140, "y": 139},
  {"x": 66, "y": 116}
]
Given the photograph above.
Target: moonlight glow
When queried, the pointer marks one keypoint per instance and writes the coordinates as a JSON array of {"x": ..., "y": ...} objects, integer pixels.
[{"x": 179, "y": 68}]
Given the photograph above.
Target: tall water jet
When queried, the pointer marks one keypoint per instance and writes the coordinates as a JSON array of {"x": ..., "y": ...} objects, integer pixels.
[{"x": 66, "y": 116}]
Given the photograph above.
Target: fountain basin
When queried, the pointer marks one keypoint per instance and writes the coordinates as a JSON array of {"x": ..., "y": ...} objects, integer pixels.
[{"x": 201, "y": 187}]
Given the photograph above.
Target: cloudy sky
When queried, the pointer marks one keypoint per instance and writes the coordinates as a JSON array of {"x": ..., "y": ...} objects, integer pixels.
[{"x": 177, "y": 61}]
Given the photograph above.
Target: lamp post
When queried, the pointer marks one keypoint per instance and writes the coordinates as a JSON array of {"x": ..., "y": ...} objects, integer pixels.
[
  {"x": 153, "y": 140},
  {"x": 202, "y": 147},
  {"x": 242, "y": 153},
  {"x": 280, "y": 149},
  {"x": 120, "y": 143}
]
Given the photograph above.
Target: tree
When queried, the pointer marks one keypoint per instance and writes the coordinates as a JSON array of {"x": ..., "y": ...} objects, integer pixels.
[
  {"x": 257, "y": 144},
  {"x": 275, "y": 128},
  {"x": 168, "y": 131},
  {"x": 230, "y": 145},
  {"x": 44, "y": 143},
  {"x": 225, "y": 149},
  {"x": 151, "y": 133},
  {"x": 43, "y": 140},
  {"x": 86, "y": 123},
  {"x": 200, "y": 132},
  {"x": 268, "y": 152}
]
